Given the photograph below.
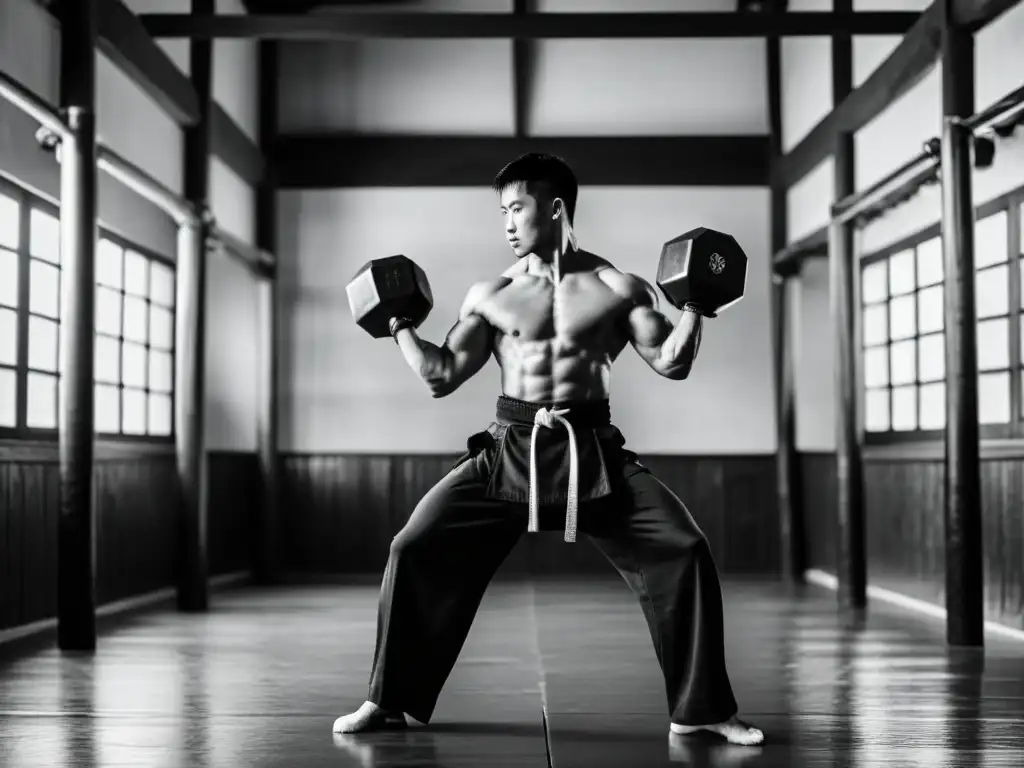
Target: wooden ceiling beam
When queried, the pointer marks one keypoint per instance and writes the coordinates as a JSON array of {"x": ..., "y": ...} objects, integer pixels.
[{"x": 341, "y": 25}]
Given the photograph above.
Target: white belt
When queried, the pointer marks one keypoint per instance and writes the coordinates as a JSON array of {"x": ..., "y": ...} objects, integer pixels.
[{"x": 550, "y": 418}]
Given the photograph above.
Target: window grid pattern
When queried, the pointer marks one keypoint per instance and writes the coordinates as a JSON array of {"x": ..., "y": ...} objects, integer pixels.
[
  {"x": 134, "y": 364},
  {"x": 1016, "y": 259},
  {"x": 134, "y": 354},
  {"x": 10, "y": 301},
  {"x": 43, "y": 319},
  {"x": 903, "y": 340},
  {"x": 992, "y": 300},
  {"x": 902, "y": 330}
]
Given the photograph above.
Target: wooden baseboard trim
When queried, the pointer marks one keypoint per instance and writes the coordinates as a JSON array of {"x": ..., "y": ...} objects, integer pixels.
[
  {"x": 923, "y": 607},
  {"x": 120, "y": 607},
  {"x": 989, "y": 449}
]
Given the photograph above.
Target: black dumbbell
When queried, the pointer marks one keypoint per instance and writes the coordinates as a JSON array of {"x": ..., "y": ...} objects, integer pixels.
[
  {"x": 703, "y": 267},
  {"x": 394, "y": 286}
]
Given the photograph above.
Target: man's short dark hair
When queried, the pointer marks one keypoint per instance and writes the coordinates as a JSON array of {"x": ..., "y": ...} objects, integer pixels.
[{"x": 537, "y": 169}]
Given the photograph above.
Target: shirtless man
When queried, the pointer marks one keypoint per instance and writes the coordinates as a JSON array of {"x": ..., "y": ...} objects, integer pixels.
[{"x": 555, "y": 322}]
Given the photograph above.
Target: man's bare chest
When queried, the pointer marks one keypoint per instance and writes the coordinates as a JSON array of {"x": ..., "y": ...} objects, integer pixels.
[{"x": 534, "y": 308}]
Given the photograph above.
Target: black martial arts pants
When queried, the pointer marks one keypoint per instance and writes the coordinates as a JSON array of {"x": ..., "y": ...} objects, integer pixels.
[{"x": 442, "y": 561}]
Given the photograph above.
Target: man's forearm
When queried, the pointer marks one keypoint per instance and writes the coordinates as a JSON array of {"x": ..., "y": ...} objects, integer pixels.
[
  {"x": 679, "y": 349},
  {"x": 445, "y": 368},
  {"x": 431, "y": 363},
  {"x": 427, "y": 360}
]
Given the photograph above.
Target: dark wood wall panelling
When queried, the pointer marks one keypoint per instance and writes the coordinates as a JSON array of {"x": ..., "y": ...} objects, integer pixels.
[
  {"x": 1002, "y": 499},
  {"x": 905, "y": 535},
  {"x": 135, "y": 520},
  {"x": 905, "y": 539},
  {"x": 135, "y": 502},
  {"x": 818, "y": 481},
  {"x": 234, "y": 496},
  {"x": 343, "y": 511}
]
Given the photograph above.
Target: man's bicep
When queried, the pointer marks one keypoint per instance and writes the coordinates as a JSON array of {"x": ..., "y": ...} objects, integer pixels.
[
  {"x": 647, "y": 329},
  {"x": 469, "y": 342},
  {"x": 650, "y": 331}
]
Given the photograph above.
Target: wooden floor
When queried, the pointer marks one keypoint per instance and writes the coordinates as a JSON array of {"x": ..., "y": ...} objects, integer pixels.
[{"x": 554, "y": 673}]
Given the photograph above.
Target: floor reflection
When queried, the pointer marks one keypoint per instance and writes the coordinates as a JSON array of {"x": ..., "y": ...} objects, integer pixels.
[{"x": 259, "y": 680}]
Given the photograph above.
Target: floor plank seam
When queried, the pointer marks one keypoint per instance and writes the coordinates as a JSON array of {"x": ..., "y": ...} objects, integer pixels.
[
  {"x": 547, "y": 737},
  {"x": 541, "y": 673}
]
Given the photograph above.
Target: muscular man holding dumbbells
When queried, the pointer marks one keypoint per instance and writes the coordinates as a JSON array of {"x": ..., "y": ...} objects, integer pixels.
[{"x": 555, "y": 321}]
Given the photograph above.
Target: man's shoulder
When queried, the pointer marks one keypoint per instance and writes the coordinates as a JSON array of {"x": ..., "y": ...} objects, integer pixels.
[{"x": 627, "y": 285}]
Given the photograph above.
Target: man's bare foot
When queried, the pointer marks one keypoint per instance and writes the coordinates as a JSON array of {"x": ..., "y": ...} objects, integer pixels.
[
  {"x": 733, "y": 730},
  {"x": 370, "y": 717}
]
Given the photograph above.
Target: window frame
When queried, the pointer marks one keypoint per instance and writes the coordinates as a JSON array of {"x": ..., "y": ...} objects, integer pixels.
[
  {"x": 27, "y": 201},
  {"x": 1012, "y": 203}
]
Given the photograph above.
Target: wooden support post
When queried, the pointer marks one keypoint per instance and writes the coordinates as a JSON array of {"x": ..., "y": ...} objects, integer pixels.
[
  {"x": 789, "y": 486},
  {"x": 842, "y": 59},
  {"x": 190, "y": 392},
  {"x": 76, "y": 601},
  {"x": 523, "y": 53},
  {"x": 964, "y": 574},
  {"x": 852, "y": 562},
  {"x": 844, "y": 274},
  {"x": 267, "y": 555},
  {"x": 190, "y": 341},
  {"x": 788, "y": 478},
  {"x": 266, "y": 566}
]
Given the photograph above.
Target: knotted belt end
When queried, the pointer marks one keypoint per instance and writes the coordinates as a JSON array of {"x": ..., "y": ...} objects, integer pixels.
[{"x": 549, "y": 418}]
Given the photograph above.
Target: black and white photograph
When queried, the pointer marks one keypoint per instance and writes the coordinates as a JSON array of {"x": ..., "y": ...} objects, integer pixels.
[{"x": 508, "y": 383}]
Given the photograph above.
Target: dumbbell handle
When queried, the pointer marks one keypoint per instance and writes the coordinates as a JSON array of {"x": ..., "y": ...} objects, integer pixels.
[
  {"x": 397, "y": 324},
  {"x": 696, "y": 309}
]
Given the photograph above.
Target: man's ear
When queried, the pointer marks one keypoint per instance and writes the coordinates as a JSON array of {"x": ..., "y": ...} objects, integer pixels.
[
  {"x": 557, "y": 208},
  {"x": 560, "y": 215}
]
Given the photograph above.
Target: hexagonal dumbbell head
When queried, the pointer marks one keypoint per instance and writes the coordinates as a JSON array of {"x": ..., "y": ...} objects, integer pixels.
[
  {"x": 703, "y": 266},
  {"x": 394, "y": 286}
]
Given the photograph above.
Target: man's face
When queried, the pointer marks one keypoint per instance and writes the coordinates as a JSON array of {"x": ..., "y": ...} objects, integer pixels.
[{"x": 528, "y": 221}]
